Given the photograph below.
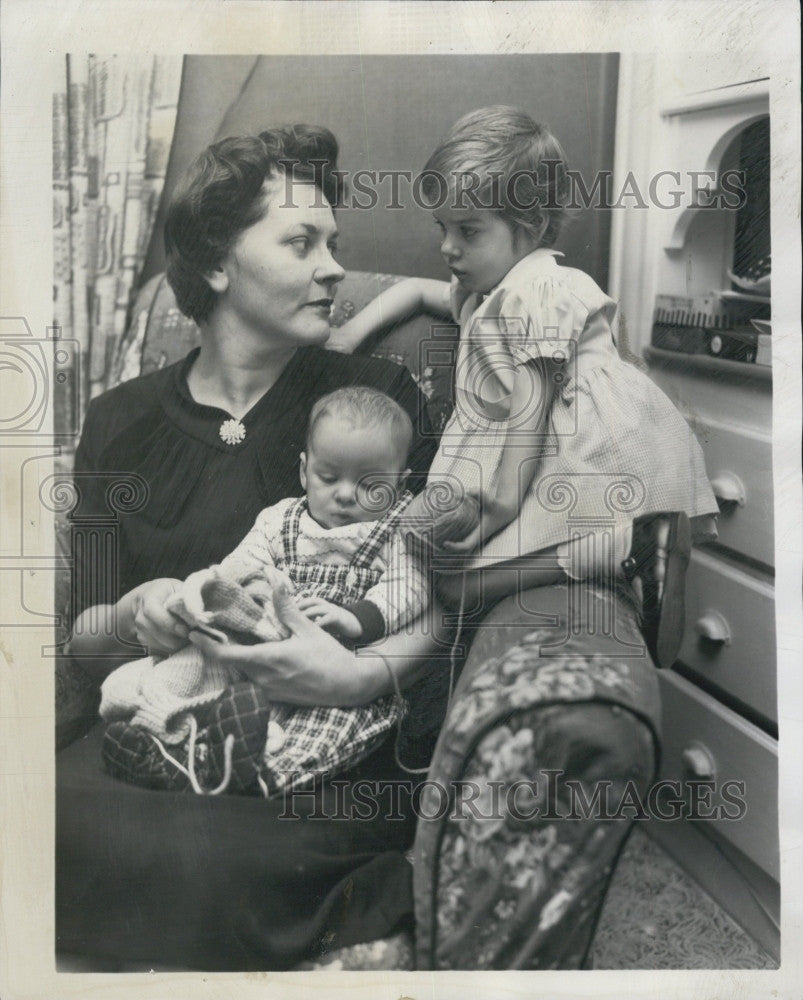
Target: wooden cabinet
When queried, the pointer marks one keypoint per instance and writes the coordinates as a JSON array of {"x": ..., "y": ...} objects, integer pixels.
[{"x": 720, "y": 699}]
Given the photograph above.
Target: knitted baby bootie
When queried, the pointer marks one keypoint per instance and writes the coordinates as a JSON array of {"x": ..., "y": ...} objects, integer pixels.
[
  {"x": 243, "y": 608},
  {"x": 236, "y": 738},
  {"x": 233, "y": 606}
]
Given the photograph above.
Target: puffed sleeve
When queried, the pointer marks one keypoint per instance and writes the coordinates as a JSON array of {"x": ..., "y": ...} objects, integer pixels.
[{"x": 542, "y": 322}]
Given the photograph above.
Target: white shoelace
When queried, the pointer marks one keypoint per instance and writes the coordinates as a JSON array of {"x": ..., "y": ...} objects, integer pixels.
[{"x": 189, "y": 771}]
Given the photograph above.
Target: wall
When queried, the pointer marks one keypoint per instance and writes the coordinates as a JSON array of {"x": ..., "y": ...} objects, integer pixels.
[{"x": 389, "y": 112}]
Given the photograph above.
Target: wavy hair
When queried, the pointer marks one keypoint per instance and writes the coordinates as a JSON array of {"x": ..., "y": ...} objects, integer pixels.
[{"x": 221, "y": 196}]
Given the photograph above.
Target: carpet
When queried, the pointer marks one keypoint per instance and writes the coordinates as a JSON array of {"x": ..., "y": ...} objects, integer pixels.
[{"x": 656, "y": 917}]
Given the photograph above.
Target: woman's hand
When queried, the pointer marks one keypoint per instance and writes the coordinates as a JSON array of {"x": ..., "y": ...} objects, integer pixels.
[
  {"x": 495, "y": 514},
  {"x": 152, "y": 624},
  {"x": 331, "y": 616},
  {"x": 309, "y": 668}
]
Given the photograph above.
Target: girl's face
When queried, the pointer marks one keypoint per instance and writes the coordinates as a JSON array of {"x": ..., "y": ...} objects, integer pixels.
[
  {"x": 479, "y": 246},
  {"x": 278, "y": 281}
]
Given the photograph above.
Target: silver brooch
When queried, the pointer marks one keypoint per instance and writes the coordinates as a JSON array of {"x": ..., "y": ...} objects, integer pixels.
[{"x": 232, "y": 431}]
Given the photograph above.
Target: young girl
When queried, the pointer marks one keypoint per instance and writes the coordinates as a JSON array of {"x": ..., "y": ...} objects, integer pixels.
[{"x": 565, "y": 444}]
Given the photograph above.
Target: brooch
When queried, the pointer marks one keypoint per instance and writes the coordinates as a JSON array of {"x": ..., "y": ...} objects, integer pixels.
[{"x": 232, "y": 431}]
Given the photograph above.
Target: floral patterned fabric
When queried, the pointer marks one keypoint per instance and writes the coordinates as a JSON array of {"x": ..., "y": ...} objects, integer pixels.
[
  {"x": 506, "y": 884},
  {"x": 396, "y": 952}
]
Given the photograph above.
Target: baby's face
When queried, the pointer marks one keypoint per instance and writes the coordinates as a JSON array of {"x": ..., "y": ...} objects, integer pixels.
[{"x": 350, "y": 473}]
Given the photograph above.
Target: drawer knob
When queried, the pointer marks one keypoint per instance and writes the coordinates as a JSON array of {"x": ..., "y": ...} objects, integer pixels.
[
  {"x": 714, "y": 626},
  {"x": 699, "y": 761},
  {"x": 728, "y": 488}
]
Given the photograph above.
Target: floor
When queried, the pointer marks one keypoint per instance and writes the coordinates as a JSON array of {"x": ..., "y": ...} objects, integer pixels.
[{"x": 656, "y": 917}]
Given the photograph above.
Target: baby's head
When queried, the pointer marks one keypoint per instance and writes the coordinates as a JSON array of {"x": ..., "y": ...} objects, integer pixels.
[
  {"x": 355, "y": 461},
  {"x": 498, "y": 185}
]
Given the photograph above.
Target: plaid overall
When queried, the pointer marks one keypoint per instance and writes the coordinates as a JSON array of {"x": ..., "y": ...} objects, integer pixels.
[
  {"x": 339, "y": 584},
  {"x": 325, "y": 739}
]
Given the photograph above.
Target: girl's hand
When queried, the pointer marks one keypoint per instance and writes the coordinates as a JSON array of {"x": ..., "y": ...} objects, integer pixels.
[
  {"x": 494, "y": 515},
  {"x": 331, "y": 617},
  {"x": 309, "y": 668},
  {"x": 151, "y": 623},
  {"x": 343, "y": 339}
]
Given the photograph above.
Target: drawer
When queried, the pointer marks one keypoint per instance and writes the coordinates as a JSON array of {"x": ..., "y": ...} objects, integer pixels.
[
  {"x": 702, "y": 740},
  {"x": 739, "y": 465},
  {"x": 740, "y": 402},
  {"x": 729, "y": 637}
]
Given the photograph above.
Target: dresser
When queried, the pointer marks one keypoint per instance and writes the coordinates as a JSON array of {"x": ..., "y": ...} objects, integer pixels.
[{"x": 672, "y": 269}]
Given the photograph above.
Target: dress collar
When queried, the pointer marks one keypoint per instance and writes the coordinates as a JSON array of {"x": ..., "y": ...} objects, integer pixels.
[
  {"x": 205, "y": 422},
  {"x": 540, "y": 261}
]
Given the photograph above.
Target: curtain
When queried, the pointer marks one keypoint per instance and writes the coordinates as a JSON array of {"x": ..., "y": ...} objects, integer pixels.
[{"x": 113, "y": 127}]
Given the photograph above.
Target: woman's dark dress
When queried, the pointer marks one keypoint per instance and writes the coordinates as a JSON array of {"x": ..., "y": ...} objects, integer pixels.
[{"x": 226, "y": 882}]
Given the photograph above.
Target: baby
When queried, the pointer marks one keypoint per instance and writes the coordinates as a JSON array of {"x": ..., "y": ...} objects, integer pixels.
[{"x": 338, "y": 549}]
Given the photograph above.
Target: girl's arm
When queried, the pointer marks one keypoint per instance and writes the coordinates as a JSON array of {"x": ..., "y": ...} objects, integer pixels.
[
  {"x": 533, "y": 393},
  {"x": 403, "y": 299}
]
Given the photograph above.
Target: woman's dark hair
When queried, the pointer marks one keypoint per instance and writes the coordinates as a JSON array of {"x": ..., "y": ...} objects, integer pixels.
[{"x": 221, "y": 196}]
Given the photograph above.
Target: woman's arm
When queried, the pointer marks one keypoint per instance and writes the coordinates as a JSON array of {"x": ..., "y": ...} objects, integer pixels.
[
  {"x": 103, "y": 634},
  {"x": 313, "y": 668},
  {"x": 533, "y": 393},
  {"x": 403, "y": 299}
]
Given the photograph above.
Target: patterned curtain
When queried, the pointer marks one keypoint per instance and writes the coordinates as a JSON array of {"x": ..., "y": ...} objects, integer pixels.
[{"x": 112, "y": 130}]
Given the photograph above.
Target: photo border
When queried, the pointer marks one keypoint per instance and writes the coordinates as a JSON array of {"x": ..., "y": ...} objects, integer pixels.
[{"x": 35, "y": 37}]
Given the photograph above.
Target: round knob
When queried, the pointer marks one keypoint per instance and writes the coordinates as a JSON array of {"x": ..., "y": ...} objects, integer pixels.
[
  {"x": 699, "y": 761},
  {"x": 728, "y": 488},
  {"x": 714, "y": 626}
]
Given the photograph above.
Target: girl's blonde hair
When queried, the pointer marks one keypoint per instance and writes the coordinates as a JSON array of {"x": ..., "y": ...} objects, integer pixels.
[{"x": 516, "y": 166}]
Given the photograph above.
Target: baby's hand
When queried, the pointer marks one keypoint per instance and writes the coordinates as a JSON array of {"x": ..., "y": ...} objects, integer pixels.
[{"x": 330, "y": 616}]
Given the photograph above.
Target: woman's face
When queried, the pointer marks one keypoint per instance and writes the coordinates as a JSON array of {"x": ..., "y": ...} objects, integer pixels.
[{"x": 279, "y": 279}]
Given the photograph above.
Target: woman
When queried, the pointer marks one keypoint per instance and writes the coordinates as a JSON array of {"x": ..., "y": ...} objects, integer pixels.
[{"x": 225, "y": 883}]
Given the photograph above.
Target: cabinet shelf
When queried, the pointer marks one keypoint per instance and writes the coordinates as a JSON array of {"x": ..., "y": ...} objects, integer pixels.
[{"x": 702, "y": 363}]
